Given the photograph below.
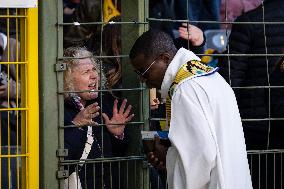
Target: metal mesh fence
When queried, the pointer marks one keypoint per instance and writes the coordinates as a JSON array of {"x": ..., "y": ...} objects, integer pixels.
[
  {"x": 11, "y": 129},
  {"x": 102, "y": 33},
  {"x": 109, "y": 163},
  {"x": 249, "y": 60},
  {"x": 16, "y": 105}
]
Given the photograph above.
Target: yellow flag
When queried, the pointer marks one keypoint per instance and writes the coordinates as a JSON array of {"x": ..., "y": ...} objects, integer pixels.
[{"x": 110, "y": 10}]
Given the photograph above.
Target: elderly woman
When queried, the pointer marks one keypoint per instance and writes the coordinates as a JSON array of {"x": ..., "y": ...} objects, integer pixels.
[{"x": 82, "y": 79}]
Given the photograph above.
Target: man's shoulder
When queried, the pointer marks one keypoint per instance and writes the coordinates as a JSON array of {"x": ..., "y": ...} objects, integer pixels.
[
  {"x": 205, "y": 83},
  {"x": 192, "y": 84}
]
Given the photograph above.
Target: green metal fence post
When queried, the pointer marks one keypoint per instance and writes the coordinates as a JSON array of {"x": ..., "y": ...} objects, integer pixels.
[
  {"x": 48, "y": 94},
  {"x": 135, "y": 11}
]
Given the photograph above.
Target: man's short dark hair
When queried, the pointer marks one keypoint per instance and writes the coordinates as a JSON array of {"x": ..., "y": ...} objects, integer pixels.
[{"x": 153, "y": 43}]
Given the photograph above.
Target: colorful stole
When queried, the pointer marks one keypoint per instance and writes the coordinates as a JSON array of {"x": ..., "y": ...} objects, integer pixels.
[{"x": 191, "y": 69}]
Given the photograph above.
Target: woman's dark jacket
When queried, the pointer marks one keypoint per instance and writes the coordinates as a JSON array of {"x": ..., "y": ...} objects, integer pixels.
[
  {"x": 254, "y": 70},
  {"x": 75, "y": 139},
  {"x": 277, "y": 105}
]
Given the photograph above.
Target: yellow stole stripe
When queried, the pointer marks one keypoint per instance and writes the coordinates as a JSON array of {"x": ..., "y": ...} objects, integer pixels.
[{"x": 191, "y": 69}]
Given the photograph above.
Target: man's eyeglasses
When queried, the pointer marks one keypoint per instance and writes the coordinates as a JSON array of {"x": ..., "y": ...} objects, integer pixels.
[{"x": 142, "y": 74}]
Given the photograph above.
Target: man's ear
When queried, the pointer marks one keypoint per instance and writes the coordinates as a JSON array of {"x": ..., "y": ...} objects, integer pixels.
[{"x": 166, "y": 58}]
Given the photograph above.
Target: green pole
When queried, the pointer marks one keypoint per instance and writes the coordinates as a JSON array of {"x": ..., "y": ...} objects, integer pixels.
[
  {"x": 48, "y": 12},
  {"x": 135, "y": 11}
]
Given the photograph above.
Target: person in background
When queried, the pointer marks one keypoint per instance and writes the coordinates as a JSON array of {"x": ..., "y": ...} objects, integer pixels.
[
  {"x": 186, "y": 35},
  {"x": 111, "y": 47},
  {"x": 83, "y": 109},
  {"x": 89, "y": 11},
  {"x": 273, "y": 163},
  {"x": 10, "y": 127},
  {"x": 90, "y": 36},
  {"x": 69, "y": 7},
  {"x": 231, "y": 9},
  {"x": 277, "y": 104},
  {"x": 86, "y": 11},
  {"x": 5, "y": 68},
  {"x": 200, "y": 10},
  {"x": 208, "y": 148},
  {"x": 253, "y": 71},
  {"x": 9, "y": 86},
  {"x": 250, "y": 78}
]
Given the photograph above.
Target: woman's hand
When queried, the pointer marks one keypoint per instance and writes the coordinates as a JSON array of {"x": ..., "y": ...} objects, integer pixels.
[
  {"x": 191, "y": 33},
  {"x": 85, "y": 116},
  {"x": 117, "y": 123}
]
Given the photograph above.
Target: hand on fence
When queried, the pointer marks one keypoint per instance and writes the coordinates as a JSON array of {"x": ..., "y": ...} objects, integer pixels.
[
  {"x": 85, "y": 116},
  {"x": 191, "y": 33},
  {"x": 120, "y": 117}
]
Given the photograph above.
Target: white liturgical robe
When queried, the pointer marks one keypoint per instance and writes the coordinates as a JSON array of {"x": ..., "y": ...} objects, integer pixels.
[{"x": 208, "y": 146}]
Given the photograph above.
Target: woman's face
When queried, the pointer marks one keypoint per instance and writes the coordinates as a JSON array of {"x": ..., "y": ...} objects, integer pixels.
[{"x": 85, "y": 77}]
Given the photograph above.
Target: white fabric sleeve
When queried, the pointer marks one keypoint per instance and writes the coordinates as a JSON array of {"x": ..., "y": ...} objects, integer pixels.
[{"x": 193, "y": 156}]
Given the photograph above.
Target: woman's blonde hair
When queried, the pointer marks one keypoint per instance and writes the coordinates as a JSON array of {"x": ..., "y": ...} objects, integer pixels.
[{"x": 72, "y": 56}]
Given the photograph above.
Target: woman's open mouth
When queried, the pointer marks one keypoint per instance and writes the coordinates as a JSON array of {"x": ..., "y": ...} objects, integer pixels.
[{"x": 93, "y": 86}]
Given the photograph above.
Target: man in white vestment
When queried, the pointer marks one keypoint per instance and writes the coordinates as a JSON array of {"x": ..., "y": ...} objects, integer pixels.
[{"x": 208, "y": 148}]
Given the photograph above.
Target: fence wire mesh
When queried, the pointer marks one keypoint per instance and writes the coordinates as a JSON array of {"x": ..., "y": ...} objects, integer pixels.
[{"x": 99, "y": 29}]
